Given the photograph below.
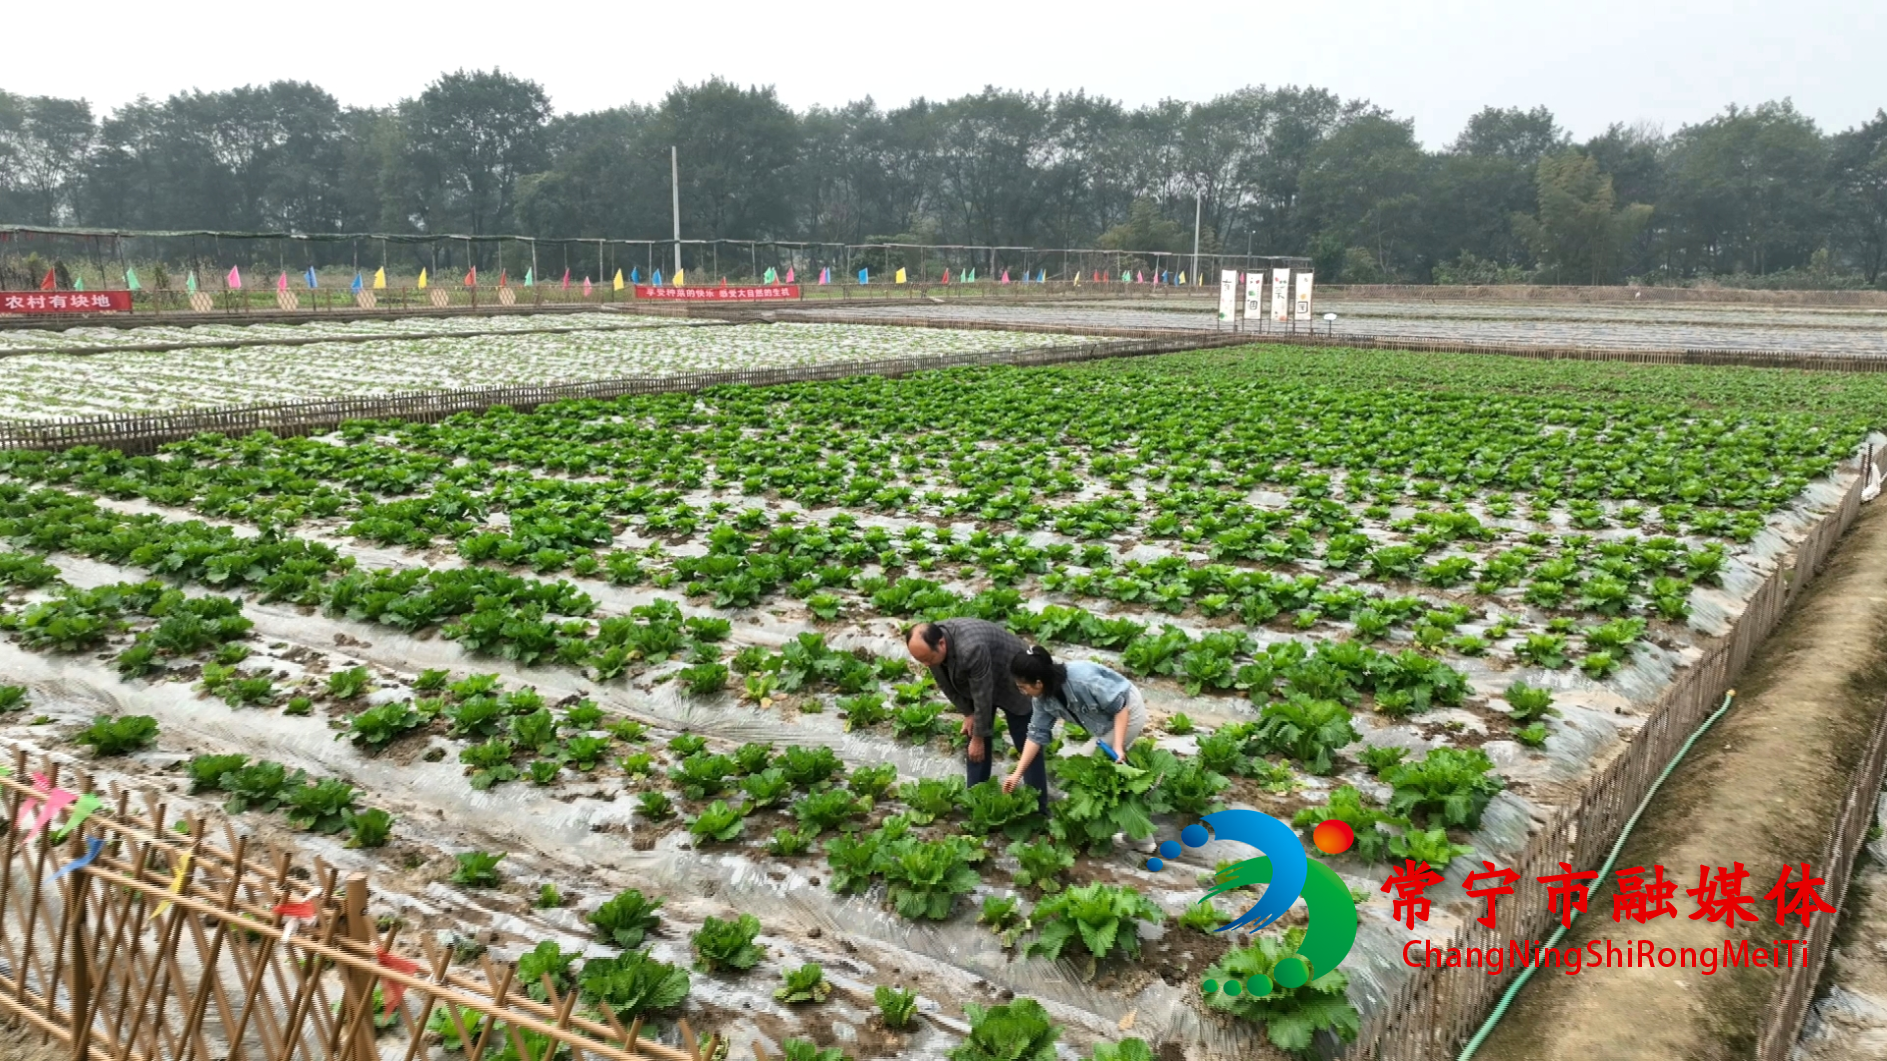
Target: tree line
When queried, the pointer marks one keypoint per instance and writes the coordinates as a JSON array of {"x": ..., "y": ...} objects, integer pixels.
[{"x": 1758, "y": 196}]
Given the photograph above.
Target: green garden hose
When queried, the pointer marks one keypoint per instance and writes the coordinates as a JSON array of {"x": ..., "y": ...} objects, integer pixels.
[{"x": 1513, "y": 990}]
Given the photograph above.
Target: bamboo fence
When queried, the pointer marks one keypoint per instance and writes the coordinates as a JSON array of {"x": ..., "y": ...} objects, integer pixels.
[{"x": 174, "y": 946}]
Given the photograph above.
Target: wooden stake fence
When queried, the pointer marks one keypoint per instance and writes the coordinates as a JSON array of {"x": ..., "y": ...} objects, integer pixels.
[{"x": 175, "y": 947}]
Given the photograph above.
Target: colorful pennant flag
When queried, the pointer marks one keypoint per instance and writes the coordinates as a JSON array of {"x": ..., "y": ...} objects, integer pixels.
[
  {"x": 50, "y": 283},
  {"x": 946, "y": 275},
  {"x": 1005, "y": 277},
  {"x": 1077, "y": 278},
  {"x": 635, "y": 275},
  {"x": 234, "y": 279},
  {"x": 176, "y": 885},
  {"x": 47, "y": 800},
  {"x": 566, "y": 279},
  {"x": 657, "y": 279},
  {"x": 1182, "y": 278},
  {"x": 92, "y": 847},
  {"x": 586, "y": 287},
  {"x": 789, "y": 274},
  {"x": 293, "y": 914},
  {"x": 356, "y": 285},
  {"x": 422, "y": 279},
  {"x": 392, "y": 992},
  {"x": 131, "y": 279},
  {"x": 530, "y": 280},
  {"x": 88, "y": 804},
  {"x": 681, "y": 276},
  {"x": 78, "y": 283},
  {"x": 825, "y": 274},
  {"x": 864, "y": 276},
  {"x": 616, "y": 284},
  {"x": 281, "y": 283},
  {"x": 380, "y": 279},
  {"x": 503, "y": 279},
  {"x": 970, "y": 279},
  {"x": 770, "y": 276},
  {"x": 471, "y": 277},
  {"x": 898, "y": 277},
  {"x": 189, "y": 283},
  {"x": 311, "y": 278}
]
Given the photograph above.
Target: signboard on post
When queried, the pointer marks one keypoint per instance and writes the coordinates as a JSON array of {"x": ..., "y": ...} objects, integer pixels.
[
  {"x": 1303, "y": 297},
  {"x": 65, "y": 301},
  {"x": 1254, "y": 296},
  {"x": 755, "y": 293},
  {"x": 1228, "y": 295},
  {"x": 1280, "y": 295}
]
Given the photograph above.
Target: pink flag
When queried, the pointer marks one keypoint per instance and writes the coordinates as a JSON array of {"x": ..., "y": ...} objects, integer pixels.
[
  {"x": 281, "y": 283},
  {"x": 235, "y": 279},
  {"x": 1005, "y": 276},
  {"x": 586, "y": 287},
  {"x": 825, "y": 275},
  {"x": 946, "y": 276},
  {"x": 566, "y": 279},
  {"x": 789, "y": 274},
  {"x": 1137, "y": 277}
]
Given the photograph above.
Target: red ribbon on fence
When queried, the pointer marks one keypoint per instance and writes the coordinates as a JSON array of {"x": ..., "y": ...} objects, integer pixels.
[
  {"x": 293, "y": 914},
  {"x": 392, "y": 992}
]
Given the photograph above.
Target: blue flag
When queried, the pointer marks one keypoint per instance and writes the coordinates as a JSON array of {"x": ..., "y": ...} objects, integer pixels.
[
  {"x": 864, "y": 276},
  {"x": 635, "y": 276},
  {"x": 357, "y": 284},
  {"x": 311, "y": 278},
  {"x": 1042, "y": 277},
  {"x": 658, "y": 278}
]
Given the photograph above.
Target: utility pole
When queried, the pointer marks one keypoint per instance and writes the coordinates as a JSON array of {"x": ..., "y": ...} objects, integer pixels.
[
  {"x": 674, "y": 185},
  {"x": 1198, "y": 206}
]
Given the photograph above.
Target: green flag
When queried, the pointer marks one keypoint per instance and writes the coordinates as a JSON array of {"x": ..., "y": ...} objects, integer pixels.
[
  {"x": 78, "y": 283},
  {"x": 528, "y": 278},
  {"x": 767, "y": 279},
  {"x": 190, "y": 282},
  {"x": 131, "y": 279},
  {"x": 972, "y": 277}
]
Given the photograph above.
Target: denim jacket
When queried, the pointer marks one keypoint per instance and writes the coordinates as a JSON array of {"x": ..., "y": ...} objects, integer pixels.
[{"x": 1090, "y": 698}]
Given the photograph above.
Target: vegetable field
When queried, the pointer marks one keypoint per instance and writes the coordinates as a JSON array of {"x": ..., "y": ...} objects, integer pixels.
[
  {"x": 619, "y": 685},
  {"x": 49, "y": 384}
]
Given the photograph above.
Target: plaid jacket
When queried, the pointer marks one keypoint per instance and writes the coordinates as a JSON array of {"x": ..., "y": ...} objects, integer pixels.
[{"x": 974, "y": 675}]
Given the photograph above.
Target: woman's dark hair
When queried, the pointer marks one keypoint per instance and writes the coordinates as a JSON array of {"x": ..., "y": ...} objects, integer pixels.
[{"x": 1036, "y": 665}]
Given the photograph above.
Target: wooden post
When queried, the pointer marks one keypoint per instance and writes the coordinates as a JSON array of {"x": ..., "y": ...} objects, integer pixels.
[
  {"x": 80, "y": 982},
  {"x": 358, "y": 997}
]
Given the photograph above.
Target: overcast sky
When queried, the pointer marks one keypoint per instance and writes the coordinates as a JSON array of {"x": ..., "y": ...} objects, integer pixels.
[{"x": 1668, "y": 62}]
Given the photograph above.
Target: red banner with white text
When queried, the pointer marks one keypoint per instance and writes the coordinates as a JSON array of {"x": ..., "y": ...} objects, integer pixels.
[
  {"x": 64, "y": 301},
  {"x": 738, "y": 293}
]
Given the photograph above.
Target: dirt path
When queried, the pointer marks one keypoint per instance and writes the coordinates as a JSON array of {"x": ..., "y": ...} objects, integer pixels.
[{"x": 1759, "y": 789}]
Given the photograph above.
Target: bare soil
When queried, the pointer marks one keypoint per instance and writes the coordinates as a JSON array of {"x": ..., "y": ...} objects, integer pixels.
[{"x": 1760, "y": 788}]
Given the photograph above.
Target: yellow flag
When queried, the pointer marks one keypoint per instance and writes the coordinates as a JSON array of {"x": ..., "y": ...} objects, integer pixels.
[
  {"x": 422, "y": 279},
  {"x": 617, "y": 283},
  {"x": 898, "y": 279},
  {"x": 1077, "y": 278},
  {"x": 681, "y": 277},
  {"x": 380, "y": 279},
  {"x": 1182, "y": 279},
  {"x": 176, "y": 886}
]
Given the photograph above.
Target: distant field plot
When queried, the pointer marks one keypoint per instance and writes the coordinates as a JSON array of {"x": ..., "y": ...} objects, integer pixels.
[
  {"x": 38, "y": 339},
  {"x": 52, "y": 385},
  {"x": 1606, "y": 326}
]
